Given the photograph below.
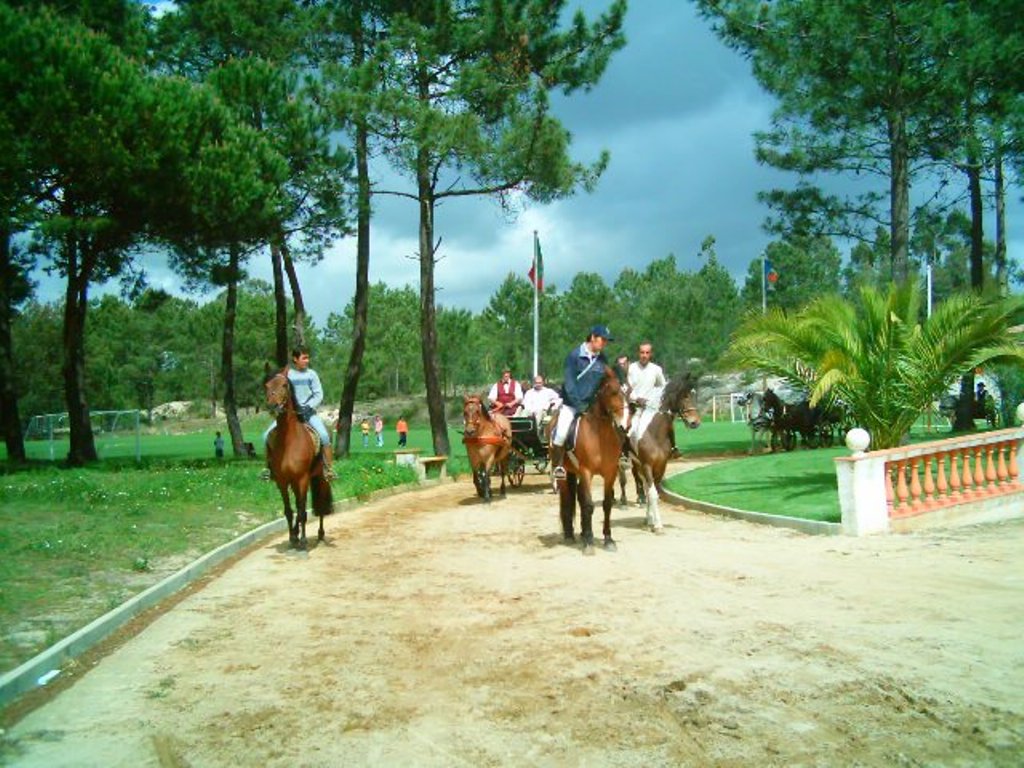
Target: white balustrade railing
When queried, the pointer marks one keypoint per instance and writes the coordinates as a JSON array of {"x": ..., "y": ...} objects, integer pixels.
[{"x": 973, "y": 476}]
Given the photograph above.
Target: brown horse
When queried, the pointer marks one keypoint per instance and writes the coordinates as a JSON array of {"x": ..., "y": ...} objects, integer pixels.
[
  {"x": 652, "y": 438},
  {"x": 488, "y": 440},
  {"x": 294, "y": 459},
  {"x": 596, "y": 450}
]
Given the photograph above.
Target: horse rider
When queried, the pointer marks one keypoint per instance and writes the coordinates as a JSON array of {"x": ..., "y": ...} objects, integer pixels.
[
  {"x": 539, "y": 401},
  {"x": 646, "y": 381},
  {"x": 309, "y": 394},
  {"x": 506, "y": 395},
  {"x": 584, "y": 370}
]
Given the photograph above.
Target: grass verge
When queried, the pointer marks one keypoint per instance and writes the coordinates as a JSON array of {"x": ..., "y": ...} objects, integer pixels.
[{"x": 75, "y": 543}]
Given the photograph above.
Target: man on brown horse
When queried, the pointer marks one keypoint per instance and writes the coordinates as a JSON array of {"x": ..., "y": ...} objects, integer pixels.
[
  {"x": 309, "y": 394},
  {"x": 584, "y": 370},
  {"x": 646, "y": 383}
]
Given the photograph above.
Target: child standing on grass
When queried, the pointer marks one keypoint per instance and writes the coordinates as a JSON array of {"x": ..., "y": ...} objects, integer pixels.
[
  {"x": 218, "y": 446},
  {"x": 364, "y": 427},
  {"x": 403, "y": 431},
  {"x": 378, "y": 427}
]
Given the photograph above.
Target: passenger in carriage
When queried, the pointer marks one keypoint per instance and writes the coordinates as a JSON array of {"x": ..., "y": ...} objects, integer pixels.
[
  {"x": 539, "y": 402},
  {"x": 506, "y": 395}
]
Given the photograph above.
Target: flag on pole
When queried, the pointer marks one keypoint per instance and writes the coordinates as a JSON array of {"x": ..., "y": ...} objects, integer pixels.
[
  {"x": 536, "y": 273},
  {"x": 771, "y": 277}
]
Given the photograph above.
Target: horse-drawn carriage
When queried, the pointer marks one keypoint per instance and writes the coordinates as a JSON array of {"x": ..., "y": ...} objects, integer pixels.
[
  {"x": 778, "y": 424},
  {"x": 529, "y": 445}
]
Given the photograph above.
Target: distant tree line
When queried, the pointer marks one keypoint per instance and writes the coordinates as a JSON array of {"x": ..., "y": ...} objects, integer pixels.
[{"x": 156, "y": 348}]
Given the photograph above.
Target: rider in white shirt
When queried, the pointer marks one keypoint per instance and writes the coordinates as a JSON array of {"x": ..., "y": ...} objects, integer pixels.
[{"x": 646, "y": 383}]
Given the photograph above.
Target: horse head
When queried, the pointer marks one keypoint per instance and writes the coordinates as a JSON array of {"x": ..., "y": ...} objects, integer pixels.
[
  {"x": 611, "y": 401},
  {"x": 473, "y": 412},
  {"x": 278, "y": 391},
  {"x": 680, "y": 399}
]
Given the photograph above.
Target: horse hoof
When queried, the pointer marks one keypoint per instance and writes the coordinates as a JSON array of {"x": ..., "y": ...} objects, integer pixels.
[
  {"x": 320, "y": 537},
  {"x": 588, "y": 550},
  {"x": 609, "y": 546},
  {"x": 658, "y": 530}
]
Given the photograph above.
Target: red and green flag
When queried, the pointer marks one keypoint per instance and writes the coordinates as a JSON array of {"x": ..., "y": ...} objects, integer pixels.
[{"x": 536, "y": 273}]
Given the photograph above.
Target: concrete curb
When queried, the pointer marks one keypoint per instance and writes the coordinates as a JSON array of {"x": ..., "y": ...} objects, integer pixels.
[
  {"x": 779, "y": 521},
  {"x": 45, "y": 666}
]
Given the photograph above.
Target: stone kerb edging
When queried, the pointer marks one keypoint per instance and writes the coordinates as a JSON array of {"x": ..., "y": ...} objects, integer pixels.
[
  {"x": 45, "y": 666},
  {"x": 815, "y": 527}
]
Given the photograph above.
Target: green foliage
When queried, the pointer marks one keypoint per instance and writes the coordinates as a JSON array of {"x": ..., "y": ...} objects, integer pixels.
[{"x": 876, "y": 355}]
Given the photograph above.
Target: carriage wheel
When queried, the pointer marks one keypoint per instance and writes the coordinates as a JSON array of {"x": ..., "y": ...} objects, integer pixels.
[
  {"x": 788, "y": 440},
  {"x": 811, "y": 439}
]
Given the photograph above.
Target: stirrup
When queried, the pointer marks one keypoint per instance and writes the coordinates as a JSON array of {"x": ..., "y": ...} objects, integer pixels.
[{"x": 265, "y": 474}]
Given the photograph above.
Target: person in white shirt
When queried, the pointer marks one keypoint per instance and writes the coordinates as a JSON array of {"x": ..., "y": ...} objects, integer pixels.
[
  {"x": 539, "y": 401},
  {"x": 646, "y": 383},
  {"x": 645, "y": 378}
]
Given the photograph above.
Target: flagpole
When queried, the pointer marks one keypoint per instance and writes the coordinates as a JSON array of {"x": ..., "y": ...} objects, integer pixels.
[
  {"x": 764, "y": 287},
  {"x": 536, "y": 305}
]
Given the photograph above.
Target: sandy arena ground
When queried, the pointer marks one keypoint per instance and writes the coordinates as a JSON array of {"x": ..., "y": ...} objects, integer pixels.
[{"x": 431, "y": 630}]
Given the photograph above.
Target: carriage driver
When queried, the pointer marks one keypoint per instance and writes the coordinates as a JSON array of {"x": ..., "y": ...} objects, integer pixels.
[
  {"x": 309, "y": 394},
  {"x": 539, "y": 401},
  {"x": 506, "y": 395},
  {"x": 584, "y": 370}
]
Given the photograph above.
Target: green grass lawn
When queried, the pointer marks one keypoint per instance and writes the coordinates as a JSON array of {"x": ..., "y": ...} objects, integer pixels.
[{"x": 801, "y": 484}]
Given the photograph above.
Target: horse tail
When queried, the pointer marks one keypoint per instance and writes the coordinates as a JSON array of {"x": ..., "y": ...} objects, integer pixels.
[{"x": 323, "y": 499}]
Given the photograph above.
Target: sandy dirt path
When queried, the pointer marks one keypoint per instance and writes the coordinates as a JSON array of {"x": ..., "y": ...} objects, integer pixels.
[{"x": 431, "y": 630}]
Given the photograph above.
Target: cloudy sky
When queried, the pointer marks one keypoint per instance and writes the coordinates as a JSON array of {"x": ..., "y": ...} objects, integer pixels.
[{"x": 677, "y": 111}]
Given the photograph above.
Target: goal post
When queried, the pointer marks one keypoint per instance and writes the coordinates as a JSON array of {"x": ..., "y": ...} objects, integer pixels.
[{"x": 112, "y": 431}]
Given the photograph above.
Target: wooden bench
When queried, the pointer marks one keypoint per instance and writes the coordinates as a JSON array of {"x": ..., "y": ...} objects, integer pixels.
[{"x": 433, "y": 467}]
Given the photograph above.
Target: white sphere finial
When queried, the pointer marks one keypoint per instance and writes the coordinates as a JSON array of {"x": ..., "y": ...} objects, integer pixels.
[
  {"x": 858, "y": 440},
  {"x": 1020, "y": 413}
]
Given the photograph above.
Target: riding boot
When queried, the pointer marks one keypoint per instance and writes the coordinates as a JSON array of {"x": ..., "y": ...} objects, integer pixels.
[
  {"x": 328, "y": 459},
  {"x": 557, "y": 457}
]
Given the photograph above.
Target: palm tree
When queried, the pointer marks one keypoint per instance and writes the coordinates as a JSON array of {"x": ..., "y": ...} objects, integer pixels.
[{"x": 876, "y": 355}]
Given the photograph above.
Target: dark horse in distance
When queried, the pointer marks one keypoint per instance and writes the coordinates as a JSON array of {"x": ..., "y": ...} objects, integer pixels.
[
  {"x": 596, "y": 451},
  {"x": 294, "y": 460}
]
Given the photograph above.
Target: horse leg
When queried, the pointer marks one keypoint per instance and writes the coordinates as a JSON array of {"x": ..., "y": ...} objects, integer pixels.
[
  {"x": 586, "y": 502},
  {"x": 567, "y": 506},
  {"x": 301, "y": 492},
  {"x": 485, "y": 481},
  {"x": 622, "y": 486},
  {"x": 653, "y": 513},
  {"x": 641, "y": 495},
  {"x": 609, "y": 501},
  {"x": 288, "y": 514}
]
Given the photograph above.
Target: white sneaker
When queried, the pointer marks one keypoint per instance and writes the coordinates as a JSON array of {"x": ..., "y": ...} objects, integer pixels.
[{"x": 558, "y": 473}]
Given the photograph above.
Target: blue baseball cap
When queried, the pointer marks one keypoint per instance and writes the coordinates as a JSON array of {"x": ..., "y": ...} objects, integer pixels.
[{"x": 602, "y": 331}]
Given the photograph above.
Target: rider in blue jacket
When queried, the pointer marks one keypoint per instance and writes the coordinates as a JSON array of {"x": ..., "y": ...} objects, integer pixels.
[{"x": 584, "y": 369}]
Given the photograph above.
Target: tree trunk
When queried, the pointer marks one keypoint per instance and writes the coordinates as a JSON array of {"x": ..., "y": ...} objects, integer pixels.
[
  {"x": 297, "y": 302},
  {"x": 227, "y": 364},
  {"x": 428, "y": 313},
  {"x": 10, "y": 422},
  {"x": 281, "y": 309},
  {"x": 977, "y": 226},
  {"x": 343, "y": 430},
  {"x": 82, "y": 446},
  {"x": 899, "y": 192},
  {"x": 1002, "y": 273}
]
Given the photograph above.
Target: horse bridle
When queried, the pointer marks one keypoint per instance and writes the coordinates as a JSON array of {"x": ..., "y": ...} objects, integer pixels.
[{"x": 280, "y": 401}]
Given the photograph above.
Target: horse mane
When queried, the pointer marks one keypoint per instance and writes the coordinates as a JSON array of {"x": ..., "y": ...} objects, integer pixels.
[{"x": 676, "y": 389}]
